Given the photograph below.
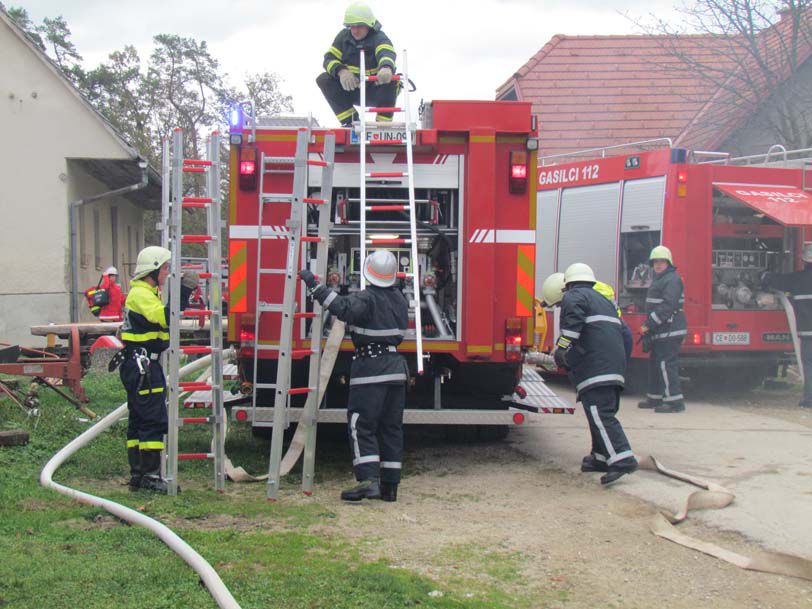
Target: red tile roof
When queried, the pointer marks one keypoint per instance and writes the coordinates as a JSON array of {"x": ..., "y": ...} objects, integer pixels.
[{"x": 594, "y": 91}]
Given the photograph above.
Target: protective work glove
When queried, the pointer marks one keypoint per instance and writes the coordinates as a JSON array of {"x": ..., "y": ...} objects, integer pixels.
[
  {"x": 348, "y": 80},
  {"x": 190, "y": 279},
  {"x": 384, "y": 75},
  {"x": 560, "y": 357},
  {"x": 308, "y": 278}
]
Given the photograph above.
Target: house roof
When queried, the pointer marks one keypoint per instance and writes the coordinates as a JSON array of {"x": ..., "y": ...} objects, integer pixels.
[
  {"x": 119, "y": 173},
  {"x": 596, "y": 91}
]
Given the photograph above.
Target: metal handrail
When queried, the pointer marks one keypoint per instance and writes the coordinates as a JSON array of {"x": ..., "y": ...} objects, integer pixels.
[
  {"x": 721, "y": 156},
  {"x": 780, "y": 148},
  {"x": 602, "y": 150},
  {"x": 763, "y": 158},
  {"x": 806, "y": 163}
]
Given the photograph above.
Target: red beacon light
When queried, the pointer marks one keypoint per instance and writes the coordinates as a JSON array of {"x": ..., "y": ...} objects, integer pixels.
[
  {"x": 248, "y": 168},
  {"x": 517, "y": 183}
]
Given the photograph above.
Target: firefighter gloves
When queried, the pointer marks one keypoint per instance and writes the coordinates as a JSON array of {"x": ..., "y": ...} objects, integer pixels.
[
  {"x": 308, "y": 278},
  {"x": 384, "y": 75},
  {"x": 348, "y": 80}
]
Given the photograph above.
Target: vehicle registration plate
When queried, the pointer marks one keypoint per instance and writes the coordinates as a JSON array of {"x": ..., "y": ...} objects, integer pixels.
[
  {"x": 731, "y": 338},
  {"x": 396, "y": 137}
]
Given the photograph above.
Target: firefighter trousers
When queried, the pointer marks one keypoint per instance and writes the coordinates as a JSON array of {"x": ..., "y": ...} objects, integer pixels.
[
  {"x": 806, "y": 360},
  {"x": 375, "y": 425},
  {"x": 146, "y": 402},
  {"x": 342, "y": 101},
  {"x": 609, "y": 442},
  {"x": 663, "y": 373}
]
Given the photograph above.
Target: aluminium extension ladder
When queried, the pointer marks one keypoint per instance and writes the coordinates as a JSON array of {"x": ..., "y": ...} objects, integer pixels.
[
  {"x": 386, "y": 205},
  {"x": 209, "y": 201},
  {"x": 297, "y": 249}
]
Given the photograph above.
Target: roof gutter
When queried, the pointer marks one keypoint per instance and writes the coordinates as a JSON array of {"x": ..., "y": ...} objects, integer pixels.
[{"x": 74, "y": 221}]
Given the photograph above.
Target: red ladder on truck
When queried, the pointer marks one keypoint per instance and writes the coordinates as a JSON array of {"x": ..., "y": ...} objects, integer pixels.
[
  {"x": 209, "y": 201},
  {"x": 378, "y": 238},
  {"x": 298, "y": 244}
]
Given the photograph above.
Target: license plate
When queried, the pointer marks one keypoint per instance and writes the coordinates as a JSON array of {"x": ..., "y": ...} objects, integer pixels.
[
  {"x": 396, "y": 137},
  {"x": 731, "y": 338},
  {"x": 776, "y": 337}
]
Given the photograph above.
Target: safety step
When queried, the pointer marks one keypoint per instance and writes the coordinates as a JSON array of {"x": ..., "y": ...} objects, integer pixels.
[{"x": 277, "y": 197}]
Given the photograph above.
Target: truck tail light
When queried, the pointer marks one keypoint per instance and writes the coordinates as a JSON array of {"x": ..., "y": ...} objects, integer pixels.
[
  {"x": 247, "y": 342},
  {"x": 517, "y": 184},
  {"x": 513, "y": 339},
  {"x": 241, "y": 415},
  {"x": 696, "y": 338},
  {"x": 248, "y": 168},
  {"x": 682, "y": 183}
]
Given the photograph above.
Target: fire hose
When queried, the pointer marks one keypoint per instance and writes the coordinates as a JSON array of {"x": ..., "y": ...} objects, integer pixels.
[
  {"x": 793, "y": 330},
  {"x": 207, "y": 574}
]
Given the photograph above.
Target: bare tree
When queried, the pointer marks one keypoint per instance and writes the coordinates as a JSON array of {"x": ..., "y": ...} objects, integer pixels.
[{"x": 755, "y": 59}]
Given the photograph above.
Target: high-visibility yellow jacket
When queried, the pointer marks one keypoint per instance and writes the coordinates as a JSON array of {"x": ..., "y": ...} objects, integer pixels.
[
  {"x": 145, "y": 318},
  {"x": 345, "y": 53}
]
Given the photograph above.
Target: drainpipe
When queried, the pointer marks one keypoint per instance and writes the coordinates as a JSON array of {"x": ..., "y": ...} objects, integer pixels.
[{"x": 74, "y": 221}]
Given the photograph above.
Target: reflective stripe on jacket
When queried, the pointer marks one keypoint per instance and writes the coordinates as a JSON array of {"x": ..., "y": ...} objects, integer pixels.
[{"x": 344, "y": 52}]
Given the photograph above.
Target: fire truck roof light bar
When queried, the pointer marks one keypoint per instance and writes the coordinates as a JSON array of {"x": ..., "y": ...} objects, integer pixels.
[{"x": 660, "y": 140}]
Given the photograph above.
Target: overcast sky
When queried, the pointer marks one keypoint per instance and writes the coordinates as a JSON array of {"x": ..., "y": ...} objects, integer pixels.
[{"x": 456, "y": 50}]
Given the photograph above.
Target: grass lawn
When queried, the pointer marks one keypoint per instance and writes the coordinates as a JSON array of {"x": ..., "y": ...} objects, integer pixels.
[{"x": 58, "y": 553}]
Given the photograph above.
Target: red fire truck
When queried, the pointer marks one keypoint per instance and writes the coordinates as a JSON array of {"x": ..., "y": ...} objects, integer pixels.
[
  {"x": 725, "y": 223},
  {"x": 476, "y": 250}
]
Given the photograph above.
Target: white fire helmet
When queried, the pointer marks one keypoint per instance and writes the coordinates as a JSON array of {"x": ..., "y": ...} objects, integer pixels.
[{"x": 380, "y": 268}]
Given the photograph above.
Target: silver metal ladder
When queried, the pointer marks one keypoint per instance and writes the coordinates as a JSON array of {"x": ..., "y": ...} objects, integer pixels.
[
  {"x": 298, "y": 243},
  {"x": 209, "y": 201},
  {"x": 388, "y": 206}
]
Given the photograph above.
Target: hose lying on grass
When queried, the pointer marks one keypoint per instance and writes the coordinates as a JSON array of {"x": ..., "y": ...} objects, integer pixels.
[{"x": 207, "y": 574}]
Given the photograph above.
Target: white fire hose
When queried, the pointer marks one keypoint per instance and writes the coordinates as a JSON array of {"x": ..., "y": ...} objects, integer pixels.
[{"x": 207, "y": 574}]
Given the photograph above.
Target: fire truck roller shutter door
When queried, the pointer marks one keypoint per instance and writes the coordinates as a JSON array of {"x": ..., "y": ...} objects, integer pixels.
[
  {"x": 546, "y": 230},
  {"x": 588, "y": 228}
]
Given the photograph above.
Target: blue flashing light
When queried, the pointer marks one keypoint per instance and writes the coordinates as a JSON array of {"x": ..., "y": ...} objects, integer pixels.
[{"x": 235, "y": 116}]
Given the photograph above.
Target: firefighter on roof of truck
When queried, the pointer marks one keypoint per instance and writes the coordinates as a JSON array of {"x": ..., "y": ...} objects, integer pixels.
[
  {"x": 341, "y": 77},
  {"x": 145, "y": 333},
  {"x": 664, "y": 329},
  {"x": 799, "y": 286},
  {"x": 378, "y": 318},
  {"x": 591, "y": 348}
]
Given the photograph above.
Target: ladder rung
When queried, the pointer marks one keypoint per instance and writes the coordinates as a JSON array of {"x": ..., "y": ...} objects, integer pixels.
[
  {"x": 387, "y": 201},
  {"x": 195, "y": 238},
  {"x": 387, "y": 207},
  {"x": 194, "y": 205},
  {"x": 197, "y": 200},
  {"x": 299, "y": 390},
  {"x": 194, "y": 386},
  {"x": 197, "y": 312},
  {"x": 301, "y": 352},
  {"x": 404, "y": 275},
  {"x": 198, "y": 162},
  {"x": 192, "y": 267},
  {"x": 311, "y": 239},
  {"x": 197, "y": 419},
  {"x": 264, "y": 385},
  {"x": 374, "y": 78},
  {"x": 387, "y": 174},
  {"x": 314, "y": 201},
  {"x": 269, "y": 307},
  {"x": 316, "y": 163},
  {"x": 205, "y": 275},
  {"x": 195, "y": 350},
  {"x": 194, "y": 169},
  {"x": 272, "y": 271},
  {"x": 191, "y": 456},
  {"x": 304, "y": 315},
  {"x": 373, "y": 241},
  {"x": 280, "y": 160},
  {"x": 383, "y": 109},
  {"x": 266, "y": 347},
  {"x": 276, "y": 197}
]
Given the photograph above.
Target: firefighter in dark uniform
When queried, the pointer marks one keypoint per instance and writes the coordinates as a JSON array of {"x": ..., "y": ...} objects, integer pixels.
[
  {"x": 591, "y": 348},
  {"x": 799, "y": 286},
  {"x": 145, "y": 334},
  {"x": 664, "y": 330},
  {"x": 341, "y": 77},
  {"x": 378, "y": 318}
]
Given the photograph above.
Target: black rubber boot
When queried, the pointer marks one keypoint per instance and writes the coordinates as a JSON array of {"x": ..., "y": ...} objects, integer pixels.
[
  {"x": 389, "y": 491},
  {"x": 151, "y": 466},
  {"x": 368, "y": 489},
  {"x": 646, "y": 404},
  {"x": 591, "y": 464},
  {"x": 134, "y": 458},
  {"x": 615, "y": 472},
  {"x": 670, "y": 407}
]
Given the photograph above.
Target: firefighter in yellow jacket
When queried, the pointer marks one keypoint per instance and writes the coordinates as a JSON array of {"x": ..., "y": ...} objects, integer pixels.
[{"x": 145, "y": 334}]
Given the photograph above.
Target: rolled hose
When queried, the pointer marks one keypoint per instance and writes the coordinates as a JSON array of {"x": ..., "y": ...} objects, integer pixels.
[{"x": 207, "y": 574}]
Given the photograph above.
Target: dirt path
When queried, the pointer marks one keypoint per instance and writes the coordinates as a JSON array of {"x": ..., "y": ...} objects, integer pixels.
[{"x": 570, "y": 543}]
